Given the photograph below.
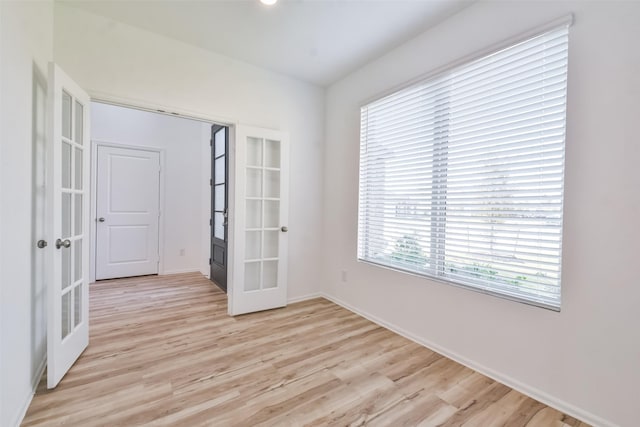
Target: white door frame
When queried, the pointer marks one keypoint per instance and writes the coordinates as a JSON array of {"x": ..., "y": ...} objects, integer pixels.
[{"x": 95, "y": 143}]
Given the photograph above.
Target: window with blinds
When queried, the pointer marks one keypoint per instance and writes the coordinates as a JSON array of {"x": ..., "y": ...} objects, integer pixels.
[{"x": 461, "y": 175}]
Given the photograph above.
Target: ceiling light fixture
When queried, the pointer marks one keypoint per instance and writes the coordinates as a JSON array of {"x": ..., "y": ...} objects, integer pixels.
[{"x": 268, "y": 2}]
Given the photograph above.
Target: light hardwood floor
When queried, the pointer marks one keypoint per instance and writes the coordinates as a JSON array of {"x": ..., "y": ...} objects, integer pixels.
[{"x": 164, "y": 352}]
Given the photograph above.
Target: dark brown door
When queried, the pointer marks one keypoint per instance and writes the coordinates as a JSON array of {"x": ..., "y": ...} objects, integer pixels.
[{"x": 219, "y": 205}]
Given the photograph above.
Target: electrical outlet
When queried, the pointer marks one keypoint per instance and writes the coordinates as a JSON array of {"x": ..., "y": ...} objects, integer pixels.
[
  {"x": 182, "y": 252},
  {"x": 343, "y": 276}
]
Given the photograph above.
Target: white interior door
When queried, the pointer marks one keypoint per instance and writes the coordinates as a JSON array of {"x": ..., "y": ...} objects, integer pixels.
[
  {"x": 68, "y": 175},
  {"x": 128, "y": 210},
  {"x": 259, "y": 279}
]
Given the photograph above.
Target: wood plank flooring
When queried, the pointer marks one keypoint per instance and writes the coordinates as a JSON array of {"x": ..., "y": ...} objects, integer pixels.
[{"x": 163, "y": 352}]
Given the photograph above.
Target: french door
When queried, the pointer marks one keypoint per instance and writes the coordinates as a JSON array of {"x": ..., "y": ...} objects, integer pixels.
[
  {"x": 219, "y": 205},
  {"x": 68, "y": 177},
  {"x": 261, "y": 204}
]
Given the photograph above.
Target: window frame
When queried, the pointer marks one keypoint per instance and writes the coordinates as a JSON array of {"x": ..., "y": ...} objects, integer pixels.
[{"x": 438, "y": 238}]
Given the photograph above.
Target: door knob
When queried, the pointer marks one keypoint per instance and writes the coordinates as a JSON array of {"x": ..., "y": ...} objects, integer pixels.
[
  {"x": 42, "y": 244},
  {"x": 60, "y": 243},
  {"x": 101, "y": 219},
  {"x": 284, "y": 229}
]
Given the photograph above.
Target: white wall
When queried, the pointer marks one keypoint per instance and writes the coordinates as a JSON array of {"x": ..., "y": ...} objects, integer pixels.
[
  {"x": 182, "y": 142},
  {"x": 114, "y": 60},
  {"x": 585, "y": 359},
  {"x": 26, "y": 32}
]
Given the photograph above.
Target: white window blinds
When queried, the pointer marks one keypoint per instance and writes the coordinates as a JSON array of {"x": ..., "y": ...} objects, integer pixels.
[{"x": 461, "y": 175}]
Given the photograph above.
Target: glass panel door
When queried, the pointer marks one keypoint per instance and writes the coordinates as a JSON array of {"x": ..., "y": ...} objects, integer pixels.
[
  {"x": 219, "y": 238},
  {"x": 263, "y": 209},
  {"x": 72, "y": 222},
  {"x": 68, "y": 331},
  {"x": 261, "y": 206}
]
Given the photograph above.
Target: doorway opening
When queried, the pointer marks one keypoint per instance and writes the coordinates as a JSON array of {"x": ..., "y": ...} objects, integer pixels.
[{"x": 153, "y": 204}]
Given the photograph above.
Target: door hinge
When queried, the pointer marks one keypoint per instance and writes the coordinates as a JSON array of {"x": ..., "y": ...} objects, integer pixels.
[
  {"x": 210, "y": 182},
  {"x": 209, "y": 261},
  {"x": 210, "y": 222},
  {"x": 211, "y": 142}
]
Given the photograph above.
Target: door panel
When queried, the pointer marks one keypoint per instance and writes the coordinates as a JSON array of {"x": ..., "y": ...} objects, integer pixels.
[
  {"x": 67, "y": 177},
  {"x": 260, "y": 266},
  {"x": 128, "y": 186},
  {"x": 220, "y": 194}
]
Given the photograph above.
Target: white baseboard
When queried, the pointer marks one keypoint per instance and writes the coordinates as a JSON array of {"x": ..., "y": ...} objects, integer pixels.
[
  {"x": 39, "y": 373},
  {"x": 180, "y": 271},
  {"x": 525, "y": 389},
  {"x": 29, "y": 397},
  {"x": 304, "y": 297}
]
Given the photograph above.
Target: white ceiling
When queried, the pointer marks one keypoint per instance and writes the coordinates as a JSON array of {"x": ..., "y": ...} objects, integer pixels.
[{"x": 318, "y": 41}]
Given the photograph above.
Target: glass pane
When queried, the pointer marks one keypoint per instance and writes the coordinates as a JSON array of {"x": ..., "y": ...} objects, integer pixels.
[
  {"x": 254, "y": 151},
  {"x": 77, "y": 305},
  {"x": 66, "y": 115},
  {"x": 219, "y": 197},
  {"x": 271, "y": 184},
  {"x": 254, "y": 214},
  {"x": 252, "y": 276},
  {"x": 269, "y": 274},
  {"x": 65, "y": 273},
  {"x": 66, "y": 165},
  {"x": 66, "y": 314},
  {"x": 219, "y": 168},
  {"x": 271, "y": 214},
  {"x": 77, "y": 259},
  {"x": 270, "y": 249},
  {"x": 219, "y": 143},
  {"x": 252, "y": 247},
  {"x": 77, "y": 215},
  {"x": 254, "y": 183},
  {"x": 78, "y": 170},
  {"x": 218, "y": 225},
  {"x": 66, "y": 215},
  {"x": 78, "y": 136},
  {"x": 272, "y": 153}
]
